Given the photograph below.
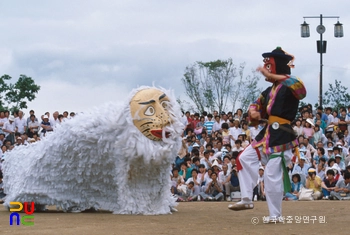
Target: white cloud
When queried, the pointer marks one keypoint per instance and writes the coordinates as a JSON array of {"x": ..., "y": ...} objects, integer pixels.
[{"x": 63, "y": 96}]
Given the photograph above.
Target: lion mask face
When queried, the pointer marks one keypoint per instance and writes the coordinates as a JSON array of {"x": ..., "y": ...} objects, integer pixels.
[{"x": 149, "y": 111}]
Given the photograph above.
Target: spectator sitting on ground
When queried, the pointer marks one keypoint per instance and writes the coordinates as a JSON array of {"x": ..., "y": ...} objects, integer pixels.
[
  {"x": 314, "y": 182},
  {"x": 188, "y": 194},
  {"x": 328, "y": 184},
  {"x": 175, "y": 179},
  {"x": 185, "y": 172},
  {"x": 233, "y": 184},
  {"x": 342, "y": 188},
  {"x": 196, "y": 187},
  {"x": 257, "y": 189},
  {"x": 201, "y": 174},
  {"x": 224, "y": 175},
  {"x": 301, "y": 168},
  {"x": 296, "y": 186},
  {"x": 214, "y": 190}
]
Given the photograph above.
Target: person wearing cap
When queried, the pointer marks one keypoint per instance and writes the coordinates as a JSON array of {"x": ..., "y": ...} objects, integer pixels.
[
  {"x": 45, "y": 125},
  {"x": 301, "y": 168},
  {"x": 314, "y": 182},
  {"x": 337, "y": 150},
  {"x": 339, "y": 161},
  {"x": 278, "y": 104},
  {"x": 216, "y": 166},
  {"x": 10, "y": 129},
  {"x": 18, "y": 141}
]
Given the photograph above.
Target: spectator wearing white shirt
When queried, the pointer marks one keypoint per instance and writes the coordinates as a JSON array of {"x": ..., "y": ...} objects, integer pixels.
[
  {"x": 3, "y": 119},
  {"x": 196, "y": 179},
  {"x": 217, "y": 125},
  {"x": 224, "y": 175},
  {"x": 9, "y": 129},
  {"x": 254, "y": 131},
  {"x": 21, "y": 123},
  {"x": 235, "y": 131},
  {"x": 31, "y": 112},
  {"x": 54, "y": 120}
]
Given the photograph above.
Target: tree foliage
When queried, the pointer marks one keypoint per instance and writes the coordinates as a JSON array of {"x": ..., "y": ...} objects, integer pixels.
[
  {"x": 212, "y": 85},
  {"x": 15, "y": 96},
  {"x": 336, "y": 96},
  {"x": 246, "y": 90}
]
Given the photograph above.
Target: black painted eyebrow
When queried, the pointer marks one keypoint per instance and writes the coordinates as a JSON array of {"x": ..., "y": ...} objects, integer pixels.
[
  {"x": 148, "y": 102},
  {"x": 162, "y": 96}
]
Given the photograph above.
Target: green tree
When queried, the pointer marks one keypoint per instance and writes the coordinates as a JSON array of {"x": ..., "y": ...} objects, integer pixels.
[
  {"x": 336, "y": 96},
  {"x": 211, "y": 85},
  {"x": 15, "y": 96},
  {"x": 208, "y": 84},
  {"x": 247, "y": 90}
]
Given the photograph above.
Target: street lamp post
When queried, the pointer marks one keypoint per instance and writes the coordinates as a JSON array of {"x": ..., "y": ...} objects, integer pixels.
[{"x": 321, "y": 44}]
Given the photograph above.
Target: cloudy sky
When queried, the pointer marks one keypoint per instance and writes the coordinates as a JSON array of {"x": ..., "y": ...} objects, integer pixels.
[{"x": 85, "y": 52}]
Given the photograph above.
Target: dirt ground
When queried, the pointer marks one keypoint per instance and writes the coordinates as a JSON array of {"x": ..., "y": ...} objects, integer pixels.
[{"x": 192, "y": 218}]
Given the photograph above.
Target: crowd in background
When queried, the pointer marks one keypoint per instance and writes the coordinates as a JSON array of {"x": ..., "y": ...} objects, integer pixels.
[
  {"x": 205, "y": 168},
  {"x": 17, "y": 130}
]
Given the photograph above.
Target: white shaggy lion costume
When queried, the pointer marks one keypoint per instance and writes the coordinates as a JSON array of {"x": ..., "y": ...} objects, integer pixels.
[{"x": 116, "y": 158}]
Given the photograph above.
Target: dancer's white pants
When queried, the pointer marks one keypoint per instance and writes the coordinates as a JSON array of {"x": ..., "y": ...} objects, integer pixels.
[{"x": 273, "y": 177}]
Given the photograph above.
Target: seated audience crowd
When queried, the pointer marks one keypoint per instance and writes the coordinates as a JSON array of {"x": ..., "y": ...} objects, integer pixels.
[{"x": 205, "y": 168}]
